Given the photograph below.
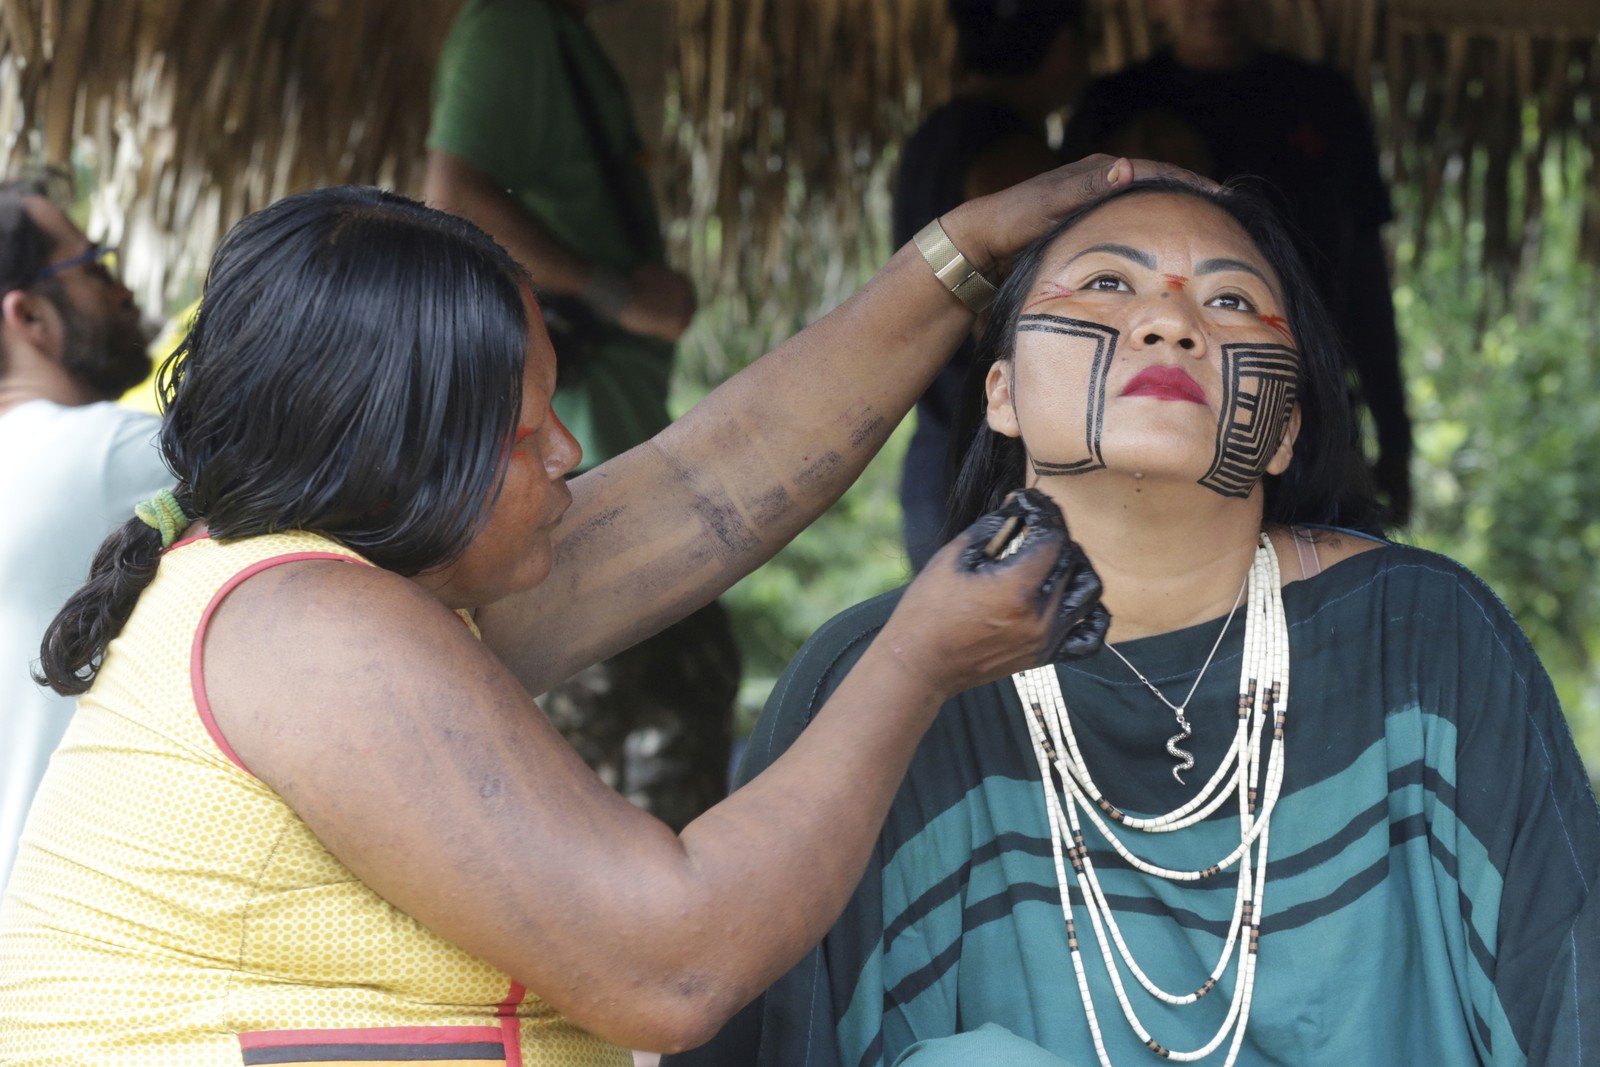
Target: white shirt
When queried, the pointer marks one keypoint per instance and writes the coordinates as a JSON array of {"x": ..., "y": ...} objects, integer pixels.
[{"x": 68, "y": 476}]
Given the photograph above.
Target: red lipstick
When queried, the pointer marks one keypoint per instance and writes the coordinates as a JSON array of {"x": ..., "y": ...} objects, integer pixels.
[{"x": 1165, "y": 383}]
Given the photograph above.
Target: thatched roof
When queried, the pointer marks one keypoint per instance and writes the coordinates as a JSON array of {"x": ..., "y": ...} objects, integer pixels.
[{"x": 775, "y": 115}]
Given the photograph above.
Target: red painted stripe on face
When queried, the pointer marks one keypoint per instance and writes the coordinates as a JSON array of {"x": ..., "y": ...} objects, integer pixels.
[
  {"x": 1176, "y": 281},
  {"x": 1279, "y": 323},
  {"x": 1049, "y": 291}
]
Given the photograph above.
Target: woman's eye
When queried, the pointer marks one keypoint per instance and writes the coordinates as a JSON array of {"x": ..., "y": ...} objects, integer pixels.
[
  {"x": 1108, "y": 283},
  {"x": 1232, "y": 302}
]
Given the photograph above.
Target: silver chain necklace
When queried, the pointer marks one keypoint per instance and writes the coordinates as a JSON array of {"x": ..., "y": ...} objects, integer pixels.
[{"x": 1184, "y": 757}]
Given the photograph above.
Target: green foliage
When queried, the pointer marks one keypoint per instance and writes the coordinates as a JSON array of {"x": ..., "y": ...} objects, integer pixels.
[{"x": 1508, "y": 430}]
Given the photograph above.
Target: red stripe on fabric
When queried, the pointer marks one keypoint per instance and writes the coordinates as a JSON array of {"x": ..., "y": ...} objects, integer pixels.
[
  {"x": 511, "y": 1035},
  {"x": 197, "y": 680},
  {"x": 510, "y": 1025},
  {"x": 186, "y": 541},
  {"x": 382, "y": 1035}
]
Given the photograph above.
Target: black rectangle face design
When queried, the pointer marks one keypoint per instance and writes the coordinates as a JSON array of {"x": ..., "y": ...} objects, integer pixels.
[
  {"x": 1258, "y": 394},
  {"x": 1104, "y": 339}
]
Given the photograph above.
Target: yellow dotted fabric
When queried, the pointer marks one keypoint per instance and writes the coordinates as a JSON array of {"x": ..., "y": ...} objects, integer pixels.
[{"x": 165, "y": 901}]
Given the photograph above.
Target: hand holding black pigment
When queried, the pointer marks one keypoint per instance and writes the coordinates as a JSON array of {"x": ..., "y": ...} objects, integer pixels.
[
  {"x": 1011, "y": 592},
  {"x": 1029, "y": 520}
]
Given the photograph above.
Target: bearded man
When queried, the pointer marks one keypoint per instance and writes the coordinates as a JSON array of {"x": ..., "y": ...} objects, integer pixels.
[{"x": 74, "y": 464}]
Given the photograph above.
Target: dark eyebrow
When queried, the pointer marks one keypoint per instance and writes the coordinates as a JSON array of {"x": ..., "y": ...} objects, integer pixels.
[
  {"x": 1144, "y": 259},
  {"x": 1216, "y": 266}
]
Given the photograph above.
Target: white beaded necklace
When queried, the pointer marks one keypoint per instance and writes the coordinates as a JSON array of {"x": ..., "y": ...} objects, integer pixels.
[{"x": 1263, "y": 697}]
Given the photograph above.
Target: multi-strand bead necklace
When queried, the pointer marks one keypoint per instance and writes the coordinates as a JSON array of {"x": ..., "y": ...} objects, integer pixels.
[{"x": 1070, "y": 789}]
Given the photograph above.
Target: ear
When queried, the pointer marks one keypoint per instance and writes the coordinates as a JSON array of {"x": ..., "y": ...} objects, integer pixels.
[
  {"x": 1285, "y": 452},
  {"x": 29, "y": 319},
  {"x": 16, "y": 308},
  {"x": 1002, "y": 413}
]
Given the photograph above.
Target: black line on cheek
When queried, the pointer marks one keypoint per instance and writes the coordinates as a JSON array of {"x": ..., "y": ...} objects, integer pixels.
[
  {"x": 1105, "y": 348},
  {"x": 1252, "y": 420}
]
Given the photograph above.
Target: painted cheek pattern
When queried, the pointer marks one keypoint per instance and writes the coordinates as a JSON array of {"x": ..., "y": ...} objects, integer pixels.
[
  {"x": 1259, "y": 383},
  {"x": 1104, "y": 341},
  {"x": 1048, "y": 291}
]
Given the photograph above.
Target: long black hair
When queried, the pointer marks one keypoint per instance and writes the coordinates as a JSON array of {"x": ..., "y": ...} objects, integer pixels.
[
  {"x": 1325, "y": 483},
  {"x": 355, "y": 369}
]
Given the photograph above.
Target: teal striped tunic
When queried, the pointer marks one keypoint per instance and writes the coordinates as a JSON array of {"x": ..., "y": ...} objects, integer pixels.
[{"x": 1429, "y": 883}]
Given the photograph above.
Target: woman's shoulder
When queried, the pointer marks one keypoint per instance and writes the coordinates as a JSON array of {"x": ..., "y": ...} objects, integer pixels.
[
  {"x": 830, "y": 652},
  {"x": 1398, "y": 587}
]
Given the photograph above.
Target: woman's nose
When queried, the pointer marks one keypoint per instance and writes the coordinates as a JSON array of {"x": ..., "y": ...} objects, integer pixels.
[
  {"x": 565, "y": 453},
  {"x": 1166, "y": 319}
]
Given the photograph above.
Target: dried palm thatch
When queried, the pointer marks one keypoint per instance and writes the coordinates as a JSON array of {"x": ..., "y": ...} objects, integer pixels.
[
  {"x": 194, "y": 113},
  {"x": 795, "y": 103},
  {"x": 780, "y": 116}
]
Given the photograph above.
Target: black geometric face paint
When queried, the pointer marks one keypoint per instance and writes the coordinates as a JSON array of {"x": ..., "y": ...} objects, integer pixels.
[
  {"x": 1258, "y": 395},
  {"x": 1105, "y": 345}
]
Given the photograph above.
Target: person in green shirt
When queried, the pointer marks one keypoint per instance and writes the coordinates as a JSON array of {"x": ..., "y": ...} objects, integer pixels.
[{"x": 532, "y": 138}]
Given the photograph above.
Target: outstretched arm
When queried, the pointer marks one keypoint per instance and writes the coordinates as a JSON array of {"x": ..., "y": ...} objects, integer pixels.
[
  {"x": 666, "y": 527},
  {"x": 442, "y": 787}
]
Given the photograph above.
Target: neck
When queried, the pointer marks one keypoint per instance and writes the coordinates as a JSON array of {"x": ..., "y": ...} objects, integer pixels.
[
  {"x": 20, "y": 388},
  {"x": 1168, "y": 556}
]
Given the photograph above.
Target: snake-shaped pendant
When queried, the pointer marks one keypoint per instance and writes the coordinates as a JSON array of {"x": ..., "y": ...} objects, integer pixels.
[{"x": 1184, "y": 757}]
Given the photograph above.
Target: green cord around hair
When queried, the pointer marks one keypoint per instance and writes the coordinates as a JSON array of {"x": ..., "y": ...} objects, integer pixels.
[{"x": 162, "y": 512}]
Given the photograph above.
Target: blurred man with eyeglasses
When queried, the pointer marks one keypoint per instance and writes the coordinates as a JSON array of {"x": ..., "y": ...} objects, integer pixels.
[{"x": 72, "y": 463}]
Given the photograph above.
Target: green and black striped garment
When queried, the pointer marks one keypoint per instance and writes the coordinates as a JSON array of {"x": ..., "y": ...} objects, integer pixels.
[{"x": 1430, "y": 895}]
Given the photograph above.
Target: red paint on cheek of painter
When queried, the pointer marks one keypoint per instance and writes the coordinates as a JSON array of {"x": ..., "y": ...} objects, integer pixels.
[
  {"x": 1047, "y": 292},
  {"x": 1176, "y": 281},
  {"x": 517, "y": 437},
  {"x": 1277, "y": 322}
]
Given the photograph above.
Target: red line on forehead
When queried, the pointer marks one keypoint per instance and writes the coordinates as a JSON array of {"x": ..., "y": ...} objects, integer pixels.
[
  {"x": 1051, "y": 291},
  {"x": 1279, "y": 323},
  {"x": 1175, "y": 281}
]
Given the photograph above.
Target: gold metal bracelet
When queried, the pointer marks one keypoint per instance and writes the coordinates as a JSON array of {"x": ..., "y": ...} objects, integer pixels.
[{"x": 954, "y": 271}]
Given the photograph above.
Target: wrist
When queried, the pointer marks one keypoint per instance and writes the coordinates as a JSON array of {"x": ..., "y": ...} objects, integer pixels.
[
  {"x": 606, "y": 292},
  {"x": 901, "y": 661},
  {"x": 955, "y": 271}
]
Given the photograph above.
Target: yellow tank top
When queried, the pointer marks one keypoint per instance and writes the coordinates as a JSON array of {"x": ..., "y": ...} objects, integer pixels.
[{"x": 168, "y": 909}]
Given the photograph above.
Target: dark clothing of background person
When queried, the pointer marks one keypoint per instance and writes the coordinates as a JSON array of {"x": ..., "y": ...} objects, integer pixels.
[
  {"x": 1302, "y": 129},
  {"x": 932, "y": 181},
  {"x": 1018, "y": 61}
]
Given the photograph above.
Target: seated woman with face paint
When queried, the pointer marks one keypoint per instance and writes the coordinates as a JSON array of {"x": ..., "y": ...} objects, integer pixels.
[
  {"x": 303, "y": 814},
  {"x": 1313, "y": 803}
]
